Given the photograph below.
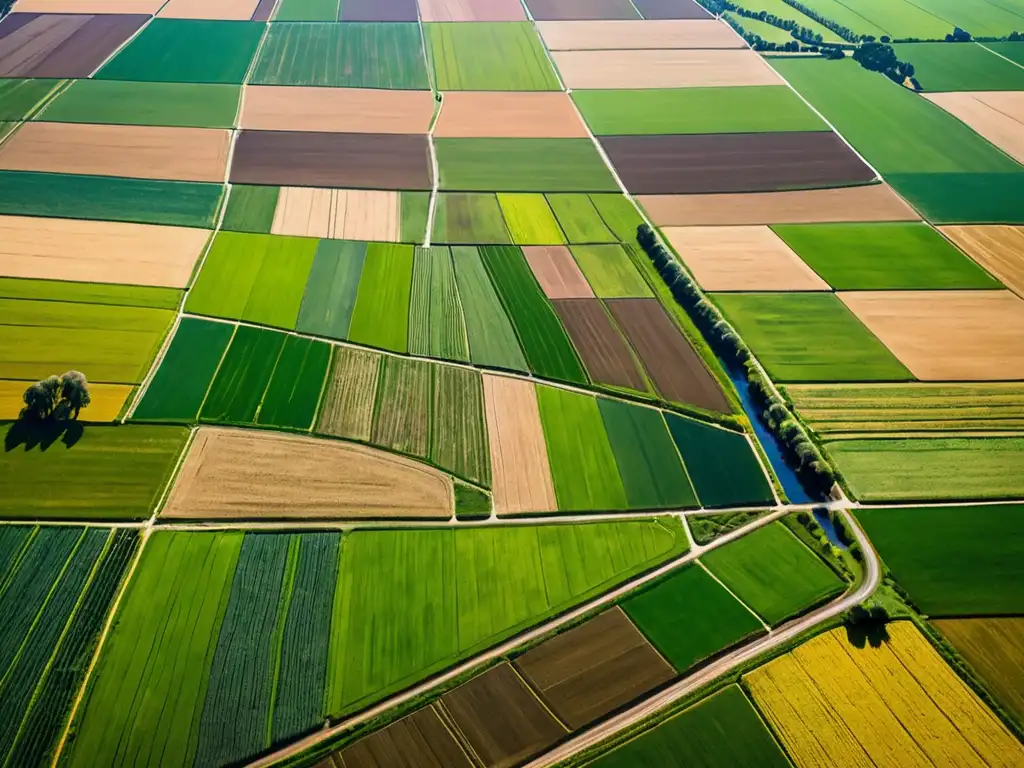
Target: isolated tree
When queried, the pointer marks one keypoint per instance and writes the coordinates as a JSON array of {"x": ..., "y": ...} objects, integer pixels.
[
  {"x": 74, "y": 391},
  {"x": 41, "y": 398}
]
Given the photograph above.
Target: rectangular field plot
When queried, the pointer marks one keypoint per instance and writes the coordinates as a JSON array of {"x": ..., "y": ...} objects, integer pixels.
[
  {"x": 107, "y": 472},
  {"x": 558, "y": 273},
  {"x": 941, "y": 67},
  {"x": 110, "y": 294},
  {"x": 166, "y": 51},
  {"x": 578, "y": 10},
  {"x": 671, "y": 9},
  {"x": 594, "y": 668},
  {"x": 993, "y": 647},
  {"x": 662, "y": 69},
  {"x": 995, "y": 115},
  {"x": 742, "y": 109},
  {"x": 489, "y": 57},
  {"x": 107, "y": 401},
  {"x": 20, "y": 98},
  {"x": 331, "y": 289},
  {"x": 380, "y": 315},
  {"x": 421, "y": 738},
  {"x": 628, "y": 34},
  {"x": 521, "y": 165},
  {"x": 780, "y": 329},
  {"x": 227, "y": 10},
  {"x": 242, "y": 378},
  {"x": 57, "y": 45},
  {"x": 996, "y": 248},
  {"x": 343, "y": 214},
  {"x": 98, "y": 7},
  {"x": 379, "y": 10},
  {"x": 307, "y": 10},
  {"x": 492, "y": 338},
  {"x": 404, "y": 400},
  {"x": 529, "y": 219},
  {"x": 60, "y": 586},
  {"x": 610, "y": 272},
  {"x": 336, "y": 110},
  {"x": 469, "y": 218},
  {"x": 890, "y": 705},
  {"x": 606, "y": 355},
  {"x": 351, "y": 394},
  {"x": 293, "y": 394},
  {"x": 579, "y": 219},
  {"x": 502, "y": 114},
  {"x": 913, "y": 469},
  {"x": 471, "y": 10},
  {"x": 968, "y": 563},
  {"x": 352, "y": 55},
  {"x": 964, "y": 198},
  {"x": 437, "y": 325},
  {"x": 458, "y": 435}
]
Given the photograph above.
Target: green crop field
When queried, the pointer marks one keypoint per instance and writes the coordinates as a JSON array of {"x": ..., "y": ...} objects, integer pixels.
[
  {"x": 105, "y": 473},
  {"x": 307, "y": 10},
  {"x": 583, "y": 466},
  {"x": 905, "y": 256},
  {"x": 19, "y": 98},
  {"x": 785, "y": 11},
  {"x": 437, "y": 327},
  {"x": 953, "y": 561},
  {"x": 545, "y": 342},
  {"x": 243, "y": 376},
  {"x": 109, "y": 198},
  {"x": 179, "y": 387},
  {"x": 414, "y": 211},
  {"x": 529, "y": 219},
  {"x": 722, "y": 731},
  {"x": 611, "y": 272},
  {"x": 404, "y": 402},
  {"x": 963, "y": 198},
  {"x": 492, "y": 339},
  {"x": 773, "y": 573},
  {"x": 579, "y": 219},
  {"x": 293, "y": 393},
  {"x": 351, "y": 394},
  {"x": 619, "y": 215},
  {"x": 896, "y": 18},
  {"x": 470, "y": 218},
  {"x": 251, "y": 209},
  {"x": 651, "y": 471},
  {"x": 982, "y": 18},
  {"x": 944, "y": 67},
  {"x": 489, "y": 57},
  {"x": 380, "y": 316},
  {"x": 1013, "y": 51},
  {"x": 349, "y": 55},
  {"x": 331, "y": 289},
  {"x": 187, "y": 51},
  {"x": 914, "y": 469},
  {"x": 767, "y": 32},
  {"x": 742, "y": 109},
  {"x": 689, "y": 616},
  {"x": 115, "y": 294},
  {"x": 522, "y": 165},
  {"x": 458, "y": 437},
  {"x": 809, "y": 337},
  {"x": 126, "y": 103},
  {"x": 721, "y": 464}
]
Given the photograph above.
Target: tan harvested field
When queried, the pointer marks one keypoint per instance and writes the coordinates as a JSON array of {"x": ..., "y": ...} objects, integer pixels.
[
  {"x": 742, "y": 259},
  {"x": 98, "y": 251},
  {"x": 985, "y": 113},
  {"x": 89, "y": 6},
  {"x": 519, "y": 456},
  {"x": 144, "y": 152},
  {"x": 594, "y": 668},
  {"x": 229, "y": 10},
  {"x": 485, "y": 114},
  {"x": 336, "y": 110},
  {"x": 947, "y": 335},
  {"x": 106, "y": 404},
  {"x": 471, "y": 10},
  {"x": 998, "y": 248},
  {"x": 663, "y": 69},
  {"x": 631, "y": 35},
  {"x": 342, "y": 214},
  {"x": 557, "y": 272},
  {"x": 874, "y": 202},
  {"x": 351, "y": 394},
  {"x": 236, "y": 473}
]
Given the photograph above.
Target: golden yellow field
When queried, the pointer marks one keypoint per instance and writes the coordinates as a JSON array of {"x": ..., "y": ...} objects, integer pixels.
[
  {"x": 900, "y": 704},
  {"x": 107, "y": 400}
]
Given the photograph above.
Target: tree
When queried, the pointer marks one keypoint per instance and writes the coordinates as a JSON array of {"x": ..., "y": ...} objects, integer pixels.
[
  {"x": 41, "y": 398},
  {"x": 57, "y": 396},
  {"x": 74, "y": 390}
]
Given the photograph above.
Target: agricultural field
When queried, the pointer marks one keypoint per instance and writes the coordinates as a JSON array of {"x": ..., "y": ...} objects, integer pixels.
[
  {"x": 992, "y": 646},
  {"x": 940, "y": 67},
  {"x": 489, "y": 57},
  {"x": 994, "y": 115}
]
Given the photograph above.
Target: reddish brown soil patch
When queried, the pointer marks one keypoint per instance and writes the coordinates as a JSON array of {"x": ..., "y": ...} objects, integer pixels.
[
  {"x": 378, "y": 10},
  {"x": 54, "y": 45},
  {"x": 263, "y": 10},
  {"x": 604, "y": 351},
  {"x": 481, "y": 114},
  {"x": 671, "y": 9},
  {"x": 557, "y": 272},
  {"x": 569, "y": 10},
  {"x": 420, "y": 739}
]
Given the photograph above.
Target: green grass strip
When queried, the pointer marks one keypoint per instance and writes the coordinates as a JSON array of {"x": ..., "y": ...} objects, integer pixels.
[
  {"x": 251, "y": 209},
  {"x": 381, "y": 314}
]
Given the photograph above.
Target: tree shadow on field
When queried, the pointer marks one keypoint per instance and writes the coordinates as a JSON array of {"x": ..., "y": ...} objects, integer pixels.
[
  {"x": 862, "y": 634},
  {"x": 41, "y": 434}
]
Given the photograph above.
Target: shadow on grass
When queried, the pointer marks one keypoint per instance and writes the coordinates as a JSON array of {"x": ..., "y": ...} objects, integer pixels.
[{"x": 41, "y": 434}]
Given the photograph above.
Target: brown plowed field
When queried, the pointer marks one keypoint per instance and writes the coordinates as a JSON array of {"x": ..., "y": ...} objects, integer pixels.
[
  {"x": 501, "y": 718},
  {"x": 351, "y": 394},
  {"x": 611, "y": 35},
  {"x": 263, "y": 10},
  {"x": 472, "y": 10},
  {"x": 595, "y": 668},
  {"x": 336, "y": 110},
  {"x": 671, "y": 9},
  {"x": 379, "y": 10},
  {"x": 947, "y": 335},
  {"x": 742, "y": 259},
  {"x": 557, "y": 272},
  {"x": 420, "y": 740},
  {"x": 145, "y": 152},
  {"x": 662, "y": 69},
  {"x": 348, "y": 160},
  {"x": 605, "y": 353},
  {"x": 481, "y": 114},
  {"x": 566, "y": 10},
  {"x": 998, "y": 248},
  {"x": 733, "y": 162},
  {"x": 228, "y": 10},
  {"x": 674, "y": 365},
  {"x": 519, "y": 455},
  {"x": 340, "y": 214},
  {"x": 148, "y": 7},
  {"x": 872, "y": 202},
  {"x": 986, "y": 114},
  {"x": 54, "y": 45},
  {"x": 234, "y": 473},
  {"x": 98, "y": 251}
]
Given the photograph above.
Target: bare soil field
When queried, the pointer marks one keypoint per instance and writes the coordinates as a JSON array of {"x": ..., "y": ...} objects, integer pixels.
[
  {"x": 671, "y": 9},
  {"x": 998, "y": 248},
  {"x": 336, "y": 110},
  {"x": 501, "y": 718},
  {"x": 595, "y": 668},
  {"x": 90, "y": 6},
  {"x": 742, "y": 259},
  {"x": 228, "y": 10},
  {"x": 519, "y": 456},
  {"x": 988, "y": 117},
  {"x": 472, "y": 10},
  {"x": 947, "y": 335},
  {"x": 263, "y": 10},
  {"x": 351, "y": 394},
  {"x": 674, "y": 365},
  {"x": 557, "y": 272},
  {"x": 507, "y": 114},
  {"x": 98, "y": 251},
  {"x": 144, "y": 152},
  {"x": 630, "y": 35},
  {"x": 872, "y": 202},
  {"x": 347, "y": 160},
  {"x": 734, "y": 162},
  {"x": 565, "y": 10},
  {"x": 234, "y": 473},
  {"x": 55, "y": 45},
  {"x": 379, "y": 10},
  {"x": 341, "y": 214},
  {"x": 605, "y": 353},
  {"x": 662, "y": 69},
  {"x": 420, "y": 739}
]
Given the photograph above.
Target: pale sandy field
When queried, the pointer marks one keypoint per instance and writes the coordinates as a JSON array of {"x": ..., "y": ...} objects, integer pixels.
[
  {"x": 482, "y": 114},
  {"x": 609, "y": 35},
  {"x": 228, "y": 10},
  {"x": 999, "y": 248},
  {"x": 998, "y": 119},
  {"x": 107, "y": 400},
  {"x": 663, "y": 69},
  {"x": 336, "y": 110},
  {"x": 557, "y": 272},
  {"x": 342, "y": 214},
  {"x": 471, "y": 10}
]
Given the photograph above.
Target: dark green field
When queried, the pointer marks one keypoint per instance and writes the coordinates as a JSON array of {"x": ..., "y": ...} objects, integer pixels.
[
  {"x": 244, "y": 374},
  {"x": 293, "y": 393}
]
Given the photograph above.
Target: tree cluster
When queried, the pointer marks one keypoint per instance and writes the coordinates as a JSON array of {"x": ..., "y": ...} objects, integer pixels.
[
  {"x": 880, "y": 57},
  {"x": 57, "y": 397},
  {"x": 958, "y": 36},
  {"x": 801, "y": 451},
  {"x": 844, "y": 32}
]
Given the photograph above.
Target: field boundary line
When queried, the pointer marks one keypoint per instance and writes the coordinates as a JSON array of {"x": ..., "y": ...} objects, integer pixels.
[
  {"x": 126, "y": 43},
  {"x": 753, "y": 613},
  {"x": 997, "y": 53},
  {"x": 173, "y": 479},
  {"x": 435, "y": 173}
]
